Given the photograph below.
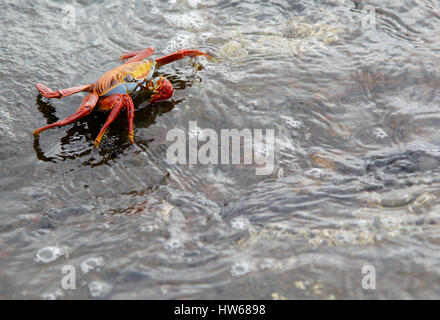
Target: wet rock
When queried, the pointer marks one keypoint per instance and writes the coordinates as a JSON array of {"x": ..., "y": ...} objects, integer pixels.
[
  {"x": 406, "y": 162},
  {"x": 277, "y": 296},
  {"x": 234, "y": 50},
  {"x": 301, "y": 28}
]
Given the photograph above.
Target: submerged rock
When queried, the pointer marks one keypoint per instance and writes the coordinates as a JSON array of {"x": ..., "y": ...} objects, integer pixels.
[
  {"x": 406, "y": 162},
  {"x": 234, "y": 50}
]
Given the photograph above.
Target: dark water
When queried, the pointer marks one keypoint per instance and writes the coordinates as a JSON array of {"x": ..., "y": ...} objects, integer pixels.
[{"x": 356, "y": 112}]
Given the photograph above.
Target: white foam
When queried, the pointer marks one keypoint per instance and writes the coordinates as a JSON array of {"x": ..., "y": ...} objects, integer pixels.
[
  {"x": 91, "y": 263},
  {"x": 240, "y": 268},
  {"x": 240, "y": 223},
  {"x": 379, "y": 133},
  {"x": 189, "y": 20},
  {"x": 49, "y": 254},
  {"x": 99, "y": 289},
  {"x": 178, "y": 42},
  {"x": 291, "y": 123}
]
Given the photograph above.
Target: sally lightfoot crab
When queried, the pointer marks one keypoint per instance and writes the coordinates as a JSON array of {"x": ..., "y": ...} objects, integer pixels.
[{"x": 113, "y": 90}]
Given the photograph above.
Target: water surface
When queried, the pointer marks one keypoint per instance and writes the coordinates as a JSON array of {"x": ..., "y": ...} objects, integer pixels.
[{"x": 355, "y": 108}]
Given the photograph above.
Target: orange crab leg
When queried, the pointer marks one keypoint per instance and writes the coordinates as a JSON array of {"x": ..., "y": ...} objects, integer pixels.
[
  {"x": 137, "y": 55},
  {"x": 117, "y": 101},
  {"x": 49, "y": 93},
  {"x": 117, "y": 107},
  {"x": 130, "y": 115},
  {"x": 85, "y": 108},
  {"x": 180, "y": 54}
]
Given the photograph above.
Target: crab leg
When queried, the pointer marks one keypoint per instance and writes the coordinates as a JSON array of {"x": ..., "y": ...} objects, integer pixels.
[
  {"x": 180, "y": 54},
  {"x": 130, "y": 115},
  {"x": 84, "y": 109},
  {"x": 137, "y": 55},
  {"x": 117, "y": 107},
  {"x": 49, "y": 93}
]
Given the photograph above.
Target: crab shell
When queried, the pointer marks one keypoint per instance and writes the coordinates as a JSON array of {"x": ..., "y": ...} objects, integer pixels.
[{"x": 125, "y": 79}]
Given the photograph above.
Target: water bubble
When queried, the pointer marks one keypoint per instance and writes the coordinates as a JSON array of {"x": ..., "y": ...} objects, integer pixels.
[
  {"x": 99, "y": 289},
  {"x": 204, "y": 36},
  {"x": 173, "y": 244},
  {"x": 178, "y": 42},
  {"x": 260, "y": 150},
  {"x": 197, "y": 133},
  {"x": 149, "y": 228},
  {"x": 194, "y": 3},
  {"x": 225, "y": 71},
  {"x": 49, "y": 254},
  {"x": 240, "y": 269},
  {"x": 91, "y": 263},
  {"x": 291, "y": 123},
  {"x": 52, "y": 295},
  {"x": 267, "y": 264},
  {"x": 48, "y": 296},
  {"x": 190, "y": 20},
  {"x": 154, "y": 10},
  {"x": 97, "y": 42},
  {"x": 240, "y": 223},
  {"x": 103, "y": 226},
  {"x": 314, "y": 173},
  {"x": 379, "y": 133},
  {"x": 373, "y": 136}
]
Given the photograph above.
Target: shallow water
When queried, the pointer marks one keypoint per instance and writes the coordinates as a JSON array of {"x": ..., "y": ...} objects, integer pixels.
[{"x": 355, "y": 107}]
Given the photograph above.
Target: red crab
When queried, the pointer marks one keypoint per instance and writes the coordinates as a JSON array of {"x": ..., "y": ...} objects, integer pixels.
[{"x": 113, "y": 90}]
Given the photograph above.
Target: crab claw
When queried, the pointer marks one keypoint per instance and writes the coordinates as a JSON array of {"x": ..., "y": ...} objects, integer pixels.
[{"x": 162, "y": 89}]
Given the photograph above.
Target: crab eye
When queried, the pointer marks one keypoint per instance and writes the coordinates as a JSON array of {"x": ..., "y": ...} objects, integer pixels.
[{"x": 129, "y": 77}]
